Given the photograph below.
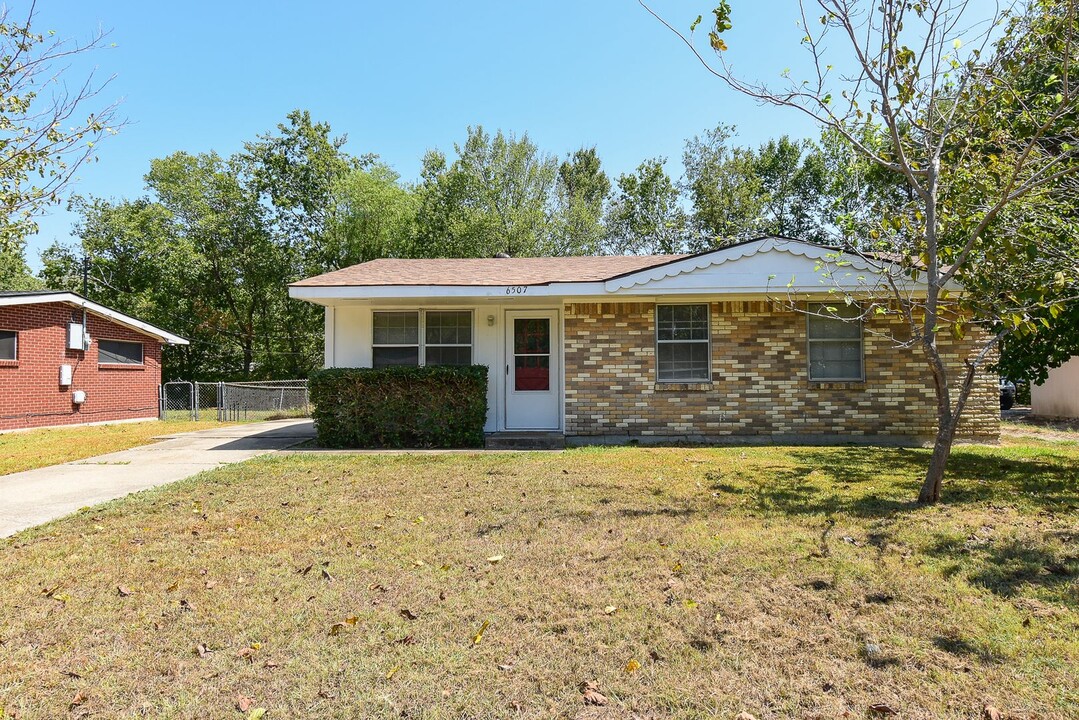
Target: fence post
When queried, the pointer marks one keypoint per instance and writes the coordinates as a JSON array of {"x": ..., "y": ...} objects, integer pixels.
[
  {"x": 160, "y": 402},
  {"x": 195, "y": 405},
  {"x": 221, "y": 402}
]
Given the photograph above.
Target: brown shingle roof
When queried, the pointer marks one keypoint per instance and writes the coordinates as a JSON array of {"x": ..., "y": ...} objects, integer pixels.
[{"x": 486, "y": 271}]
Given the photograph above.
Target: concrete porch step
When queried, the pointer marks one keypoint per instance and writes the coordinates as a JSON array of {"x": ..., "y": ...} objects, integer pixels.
[{"x": 525, "y": 441}]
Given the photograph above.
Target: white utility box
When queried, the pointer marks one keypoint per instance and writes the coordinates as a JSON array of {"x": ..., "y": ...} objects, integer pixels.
[
  {"x": 77, "y": 339},
  {"x": 78, "y": 397},
  {"x": 65, "y": 375}
]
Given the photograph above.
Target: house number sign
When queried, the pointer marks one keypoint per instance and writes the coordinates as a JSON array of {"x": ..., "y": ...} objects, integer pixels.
[{"x": 516, "y": 289}]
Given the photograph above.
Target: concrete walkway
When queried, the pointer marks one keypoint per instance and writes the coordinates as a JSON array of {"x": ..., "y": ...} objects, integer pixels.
[{"x": 35, "y": 496}]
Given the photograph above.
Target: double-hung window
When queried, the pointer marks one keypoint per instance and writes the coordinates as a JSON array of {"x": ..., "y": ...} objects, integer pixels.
[
  {"x": 9, "y": 341},
  {"x": 682, "y": 343},
  {"x": 412, "y": 337},
  {"x": 835, "y": 342}
]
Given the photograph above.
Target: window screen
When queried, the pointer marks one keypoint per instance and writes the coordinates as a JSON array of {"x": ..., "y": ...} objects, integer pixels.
[
  {"x": 8, "y": 344},
  {"x": 682, "y": 343},
  {"x": 448, "y": 337},
  {"x": 396, "y": 339},
  {"x": 835, "y": 342},
  {"x": 118, "y": 352}
]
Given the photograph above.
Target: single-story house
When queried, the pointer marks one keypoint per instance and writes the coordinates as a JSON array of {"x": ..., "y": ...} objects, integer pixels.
[
  {"x": 65, "y": 360},
  {"x": 1058, "y": 396},
  {"x": 722, "y": 345}
]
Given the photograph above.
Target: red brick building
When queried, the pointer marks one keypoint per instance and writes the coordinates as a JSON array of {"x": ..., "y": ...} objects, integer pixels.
[{"x": 65, "y": 360}]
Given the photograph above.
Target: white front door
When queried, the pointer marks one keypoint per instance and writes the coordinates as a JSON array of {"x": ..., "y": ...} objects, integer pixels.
[{"x": 533, "y": 370}]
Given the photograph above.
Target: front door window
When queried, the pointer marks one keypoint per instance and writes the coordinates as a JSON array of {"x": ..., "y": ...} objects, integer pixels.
[{"x": 531, "y": 354}]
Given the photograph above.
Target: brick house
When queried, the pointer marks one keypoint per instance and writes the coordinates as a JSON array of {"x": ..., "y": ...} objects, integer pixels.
[
  {"x": 728, "y": 345},
  {"x": 65, "y": 360}
]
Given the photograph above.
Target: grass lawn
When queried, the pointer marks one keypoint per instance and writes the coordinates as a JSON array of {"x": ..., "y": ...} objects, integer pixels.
[
  {"x": 51, "y": 446},
  {"x": 683, "y": 583}
]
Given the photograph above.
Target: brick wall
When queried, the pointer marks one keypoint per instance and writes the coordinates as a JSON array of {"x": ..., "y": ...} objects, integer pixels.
[
  {"x": 30, "y": 390},
  {"x": 760, "y": 385}
]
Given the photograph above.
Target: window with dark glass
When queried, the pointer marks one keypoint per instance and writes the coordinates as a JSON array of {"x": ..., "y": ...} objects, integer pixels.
[
  {"x": 682, "y": 343},
  {"x": 9, "y": 344},
  {"x": 835, "y": 342},
  {"x": 531, "y": 354},
  {"x": 119, "y": 352},
  {"x": 396, "y": 339},
  {"x": 447, "y": 337}
]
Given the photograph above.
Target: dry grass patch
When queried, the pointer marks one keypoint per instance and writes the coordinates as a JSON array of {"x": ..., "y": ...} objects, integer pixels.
[
  {"x": 683, "y": 583},
  {"x": 51, "y": 446}
]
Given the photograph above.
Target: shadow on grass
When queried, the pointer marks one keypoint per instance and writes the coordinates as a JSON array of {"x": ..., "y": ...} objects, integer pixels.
[
  {"x": 1006, "y": 568},
  {"x": 871, "y": 482}
]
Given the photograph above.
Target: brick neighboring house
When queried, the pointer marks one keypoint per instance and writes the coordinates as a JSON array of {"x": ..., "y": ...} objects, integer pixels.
[
  {"x": 113, "y": 375},
  {"x": 715, "y": 347}
]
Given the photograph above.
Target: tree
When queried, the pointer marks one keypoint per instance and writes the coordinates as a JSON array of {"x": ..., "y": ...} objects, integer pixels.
[
  {"x": 739, "y": 193},
  {"x": 582, "y": 190},
  {"x": 374, "y": 216},
  {"x": 496, "y": 197},
  {"x": 44, "y": 134},
  {"x": 723, "y": 187},
  {"x": 983, "y": 155},
  {"x": 645, "y": 216}
]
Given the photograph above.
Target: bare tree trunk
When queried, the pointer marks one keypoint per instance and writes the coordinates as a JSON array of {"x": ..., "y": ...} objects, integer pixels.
[{"x": 934, "y": 474}]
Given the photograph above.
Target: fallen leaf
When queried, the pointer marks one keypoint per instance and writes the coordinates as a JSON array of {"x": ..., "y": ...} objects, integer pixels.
[
  {"x": 744, "y": 716},
  {"x": 591, "y": 695},
  {"x": 211, "y": 584},
  {"x": 689, "y": 603},
  {"x": 633, "y": 666},
  {"x": 173, "y": 587},
  {"x": 377, "y": 526},
  {"x": 336, "y": 628},
  {"x": 243, "y": 703},
  {"x": 122, "y": 591},
  {"x": 269, "y": 664},
  {"x": 67, "y": 673},
  {"x": 202, "y": 650},
  {"x": 610, "y": 610},
  {"x": 326, "y": 575},
  {"x": 79, "y": 699},
  {"x": 408, "y": 614},
  {"x": 185, "y": 606},
  {"x": 479, "y": 636},
  {"x": 247, "y": 653},
  {"x": 882, "y": 709},
  {"x": 393, "y": 671},
  {"x": 506, "y": 666},
  {"x": 352, "y": 619},
  {"x": 419, "y": 519},
  {"x": 257, "y": 714},
  {"x": 990, "y": 713},
  {"x": 494, "y": 559},
  {"x": 445, "y": 567},
  {"x": 406, "y": 640},
  {"x": 418, "y": 563}
]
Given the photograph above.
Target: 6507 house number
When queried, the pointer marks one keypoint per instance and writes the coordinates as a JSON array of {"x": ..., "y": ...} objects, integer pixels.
[{"x": 516, "y": 289}]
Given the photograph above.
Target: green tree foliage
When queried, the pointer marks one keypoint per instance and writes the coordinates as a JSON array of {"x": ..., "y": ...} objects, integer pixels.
[
  {"x": 582, "y": 191},
  {"x": 210, "y": 252},
  {"x": 374, "y": 216},
  {"x": 15, "y": 274},
  {"x": 497, "y": 196},
  {"x": 645, "y": 216}
]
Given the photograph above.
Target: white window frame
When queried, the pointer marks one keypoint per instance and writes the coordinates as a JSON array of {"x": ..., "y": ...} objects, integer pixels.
[
  {"x": 707, "y": 340},
  {"x": 16, "y": 356},
  {"x": 421, "y": 337},
  {"x": 817, "y": 310},
  {"x": 142, "y": 352}
]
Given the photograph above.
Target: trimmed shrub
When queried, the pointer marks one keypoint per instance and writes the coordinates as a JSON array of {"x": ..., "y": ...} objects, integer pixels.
[{"x": 400, "y": 407}]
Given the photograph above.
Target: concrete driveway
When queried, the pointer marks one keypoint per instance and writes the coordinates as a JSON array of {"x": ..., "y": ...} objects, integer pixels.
[{"x": 35, "y": 496}]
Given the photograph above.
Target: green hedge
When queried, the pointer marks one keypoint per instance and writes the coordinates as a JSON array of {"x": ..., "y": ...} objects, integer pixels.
[{"x": 400, "y": 407}]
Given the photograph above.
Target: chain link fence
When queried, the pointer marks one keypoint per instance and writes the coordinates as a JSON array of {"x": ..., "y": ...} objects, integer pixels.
[{"x": 258, "y": 400}]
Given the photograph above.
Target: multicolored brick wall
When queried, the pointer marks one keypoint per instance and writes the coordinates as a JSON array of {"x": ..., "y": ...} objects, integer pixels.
[
  {"x": 30, "y": 390},
  {"x": 760, "y": 382}
]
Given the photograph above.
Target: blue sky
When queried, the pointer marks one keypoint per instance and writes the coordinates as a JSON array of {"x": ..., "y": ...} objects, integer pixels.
[{"x": 399, "y": 78}]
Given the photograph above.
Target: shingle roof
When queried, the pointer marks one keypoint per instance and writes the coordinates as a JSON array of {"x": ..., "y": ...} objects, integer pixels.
[
  {"x": 27, "y": 293},
  {"x": 486, "y": 271}
]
